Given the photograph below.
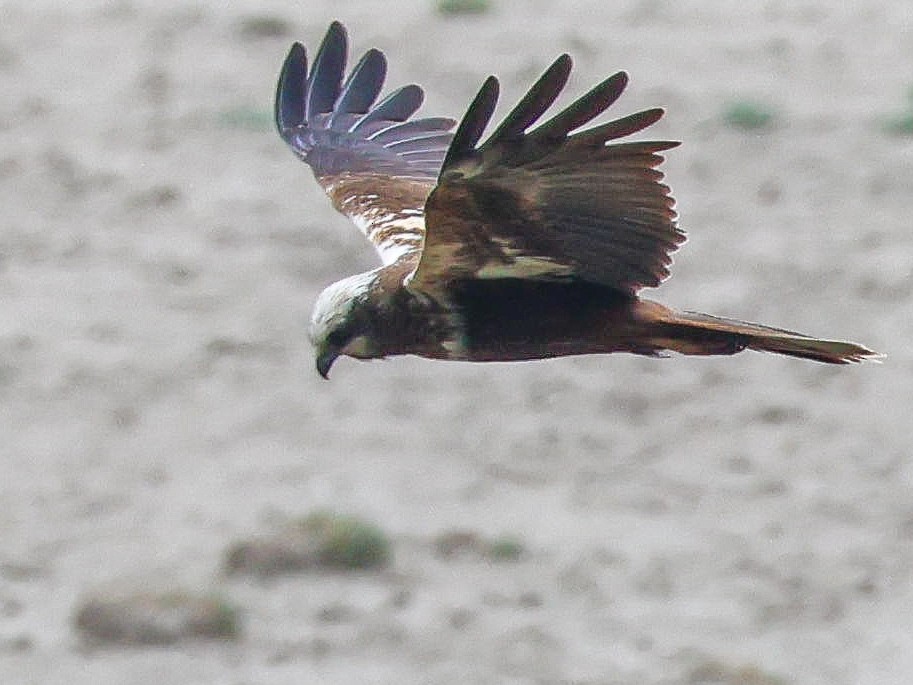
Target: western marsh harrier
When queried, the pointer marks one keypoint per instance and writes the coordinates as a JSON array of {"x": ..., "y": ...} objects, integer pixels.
[{"x": 532, "y": 244}]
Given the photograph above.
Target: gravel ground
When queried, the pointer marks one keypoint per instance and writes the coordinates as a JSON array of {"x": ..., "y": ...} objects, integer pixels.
[{"x": 745, "y": 520}]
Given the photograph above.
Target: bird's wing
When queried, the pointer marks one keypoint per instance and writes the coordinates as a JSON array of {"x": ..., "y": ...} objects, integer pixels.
[
  {"x": 376, "y": 164},
  {"x": 554, "y": 202}
]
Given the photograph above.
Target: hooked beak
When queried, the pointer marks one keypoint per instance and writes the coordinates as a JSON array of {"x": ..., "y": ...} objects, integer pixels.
[{"x": 325, "y": 360}]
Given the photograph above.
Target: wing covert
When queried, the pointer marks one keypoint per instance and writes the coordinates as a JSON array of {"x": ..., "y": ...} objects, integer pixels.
[
  {"x": 552, "y": 202},
  {"x": 376, "y": 164}
]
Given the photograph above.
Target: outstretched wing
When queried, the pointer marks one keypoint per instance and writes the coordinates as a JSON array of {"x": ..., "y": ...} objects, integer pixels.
[
  {"x": 376, "y": 164},
  {"x": 553, "y": 203}
]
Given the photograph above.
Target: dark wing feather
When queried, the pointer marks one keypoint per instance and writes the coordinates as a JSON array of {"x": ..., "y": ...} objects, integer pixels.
[
  {"x": 376, "y": 164},
  {"x": 397, "y": 106},
  {"x": 359, "y": 91},
  {"x": 534, "y": 104},
  {"x": 553, "y": 203},
  {"x": 325, "y": 79},
  {"x": 474, "y": 122}
]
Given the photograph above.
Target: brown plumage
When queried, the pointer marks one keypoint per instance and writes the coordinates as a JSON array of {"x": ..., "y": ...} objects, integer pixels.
[{"x": 532, "y": 244}]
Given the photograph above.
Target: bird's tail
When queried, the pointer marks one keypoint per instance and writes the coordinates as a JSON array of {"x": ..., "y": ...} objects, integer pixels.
[{"x": 695, "y": 333}]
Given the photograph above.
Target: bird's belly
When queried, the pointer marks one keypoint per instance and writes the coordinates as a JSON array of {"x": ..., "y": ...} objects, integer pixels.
[{"x": 512, "y": 319}]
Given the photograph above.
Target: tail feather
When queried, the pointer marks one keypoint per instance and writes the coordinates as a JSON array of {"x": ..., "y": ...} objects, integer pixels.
[{"x": 696, "y": 333}]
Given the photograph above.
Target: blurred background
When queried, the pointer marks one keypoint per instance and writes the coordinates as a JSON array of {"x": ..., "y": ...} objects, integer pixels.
[{"x": 166, "y": 441}]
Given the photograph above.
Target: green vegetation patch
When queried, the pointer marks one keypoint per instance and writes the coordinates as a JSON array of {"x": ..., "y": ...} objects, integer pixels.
[
  {"x": 467, "y": 544},
  {"x": 348, "y": 542},
  {"x": 454, "y": 7},
  {"x": 319, "y": 540},
  {"x": 748, "y": 115},
  {"x": 505, "y": 549},
  {"x": 899, "y": 124}
]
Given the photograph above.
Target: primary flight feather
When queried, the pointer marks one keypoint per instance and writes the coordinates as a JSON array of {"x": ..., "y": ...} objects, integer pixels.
[{"x": 532, "y": 244}]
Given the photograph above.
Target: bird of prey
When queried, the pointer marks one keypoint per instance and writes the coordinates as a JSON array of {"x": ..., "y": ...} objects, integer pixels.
[{"x": 532, "y": 244}]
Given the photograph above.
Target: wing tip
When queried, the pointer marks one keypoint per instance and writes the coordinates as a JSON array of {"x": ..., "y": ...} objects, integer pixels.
[
  {"x": 317, "y": 106},
  {"x": 539, "y": 98},
  {"x": 290, "y": 89},
  {"x": 622, "y": 77},
  {"x": 325, "y": 80},
  {"x": 474, "y": 122}
]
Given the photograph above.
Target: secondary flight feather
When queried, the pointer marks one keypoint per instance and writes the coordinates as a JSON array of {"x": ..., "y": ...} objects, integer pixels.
[{"x": 531, "y": 244}]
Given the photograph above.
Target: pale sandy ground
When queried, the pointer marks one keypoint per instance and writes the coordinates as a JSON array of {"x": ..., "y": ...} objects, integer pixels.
[{"x": 158, "y": 262}]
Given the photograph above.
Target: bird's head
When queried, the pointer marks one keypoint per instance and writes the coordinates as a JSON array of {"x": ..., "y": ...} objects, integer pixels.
[{"x": 343, "y": 322}]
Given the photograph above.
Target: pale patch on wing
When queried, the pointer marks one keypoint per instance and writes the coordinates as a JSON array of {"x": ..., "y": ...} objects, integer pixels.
[
  {"x": 517, "y": 264},
  {"x": 392, "y": 235},
  {"x": 389, "y": 212},
  {"x": 506, "y": 261}
]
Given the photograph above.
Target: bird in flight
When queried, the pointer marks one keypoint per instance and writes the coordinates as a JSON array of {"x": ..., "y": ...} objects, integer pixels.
[{"x": 533, "y": 244}]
